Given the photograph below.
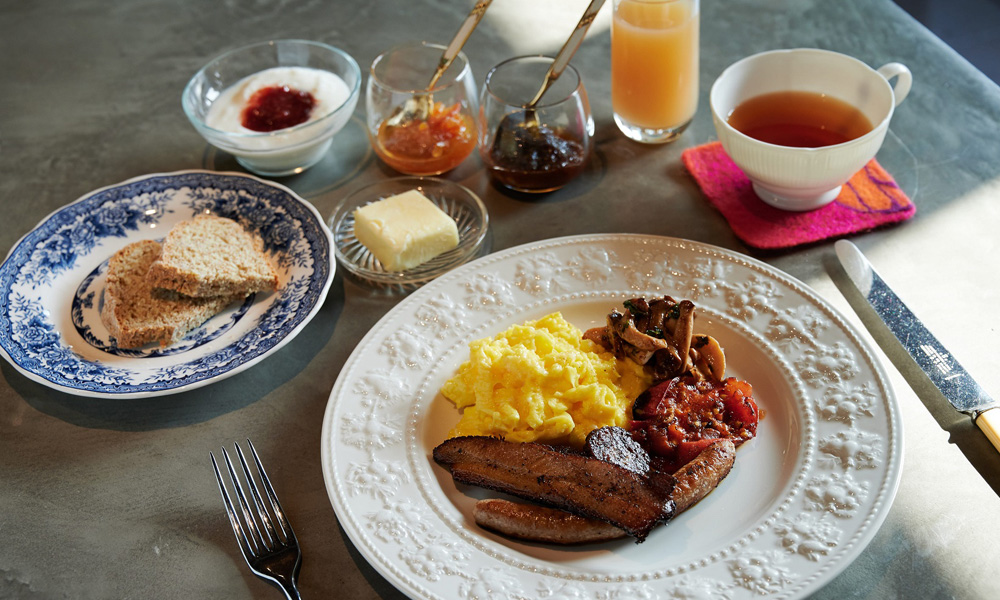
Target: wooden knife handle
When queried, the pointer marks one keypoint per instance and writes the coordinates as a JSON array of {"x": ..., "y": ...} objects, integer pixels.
[{"x": 989, "y": 422}]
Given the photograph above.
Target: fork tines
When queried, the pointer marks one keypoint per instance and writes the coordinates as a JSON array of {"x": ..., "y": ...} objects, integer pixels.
[{"x": 261, "y": 528}]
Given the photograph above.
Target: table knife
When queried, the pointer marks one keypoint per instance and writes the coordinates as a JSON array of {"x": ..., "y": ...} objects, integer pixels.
[{"x": 933, "y": 358}]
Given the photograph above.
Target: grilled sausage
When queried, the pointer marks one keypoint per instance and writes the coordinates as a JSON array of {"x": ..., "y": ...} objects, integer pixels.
[
  {"x": 581, "y": 484},
  {"x": 541, "y": 524},
  {"x": 531, "y": 522},
  {"x": 704, "y": 473}
]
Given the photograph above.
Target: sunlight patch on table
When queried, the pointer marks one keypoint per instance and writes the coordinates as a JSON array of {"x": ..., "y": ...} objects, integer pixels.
[
  {"x": 543, "y": 27},
  {"x": 945, "y": 298}
]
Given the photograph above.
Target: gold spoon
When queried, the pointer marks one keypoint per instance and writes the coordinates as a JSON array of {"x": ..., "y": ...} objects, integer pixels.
[
  {"x": 521, "y": 142},
  {"x": 562, "y": 59},
  {"x": 418, "y": 106}
]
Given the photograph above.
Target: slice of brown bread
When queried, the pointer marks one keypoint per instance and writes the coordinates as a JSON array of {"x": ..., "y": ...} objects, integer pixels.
[
  {"x": 212, "y": 256},
  {"x": 136, "y": 314}
]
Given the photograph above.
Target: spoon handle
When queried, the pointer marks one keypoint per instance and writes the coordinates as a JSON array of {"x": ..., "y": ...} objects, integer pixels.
[
  {"x": 568, "y": 50},
  {"x": 461, "y": 36}
]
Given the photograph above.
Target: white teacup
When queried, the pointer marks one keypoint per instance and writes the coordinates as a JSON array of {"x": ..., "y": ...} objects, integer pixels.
[{"x": 801, "y": 179}]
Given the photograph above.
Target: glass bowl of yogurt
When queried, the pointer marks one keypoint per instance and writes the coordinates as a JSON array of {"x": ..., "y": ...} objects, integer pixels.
[{"x": 274, "y": 105}]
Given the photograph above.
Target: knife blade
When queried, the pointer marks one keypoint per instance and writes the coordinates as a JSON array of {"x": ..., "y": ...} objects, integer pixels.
[{"x": 944, "y": 371}]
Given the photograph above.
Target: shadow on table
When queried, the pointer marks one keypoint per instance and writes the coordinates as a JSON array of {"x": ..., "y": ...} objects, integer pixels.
[
  {"x": 349, "y": 154},
  {"x": 380, "y": 584},
  {"x": 962, "y": 431},
  {"x": 195, "y": 406}
]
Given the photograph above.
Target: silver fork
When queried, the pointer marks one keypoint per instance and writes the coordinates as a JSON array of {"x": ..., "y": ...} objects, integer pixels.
[{"x": 273, "y": 557}]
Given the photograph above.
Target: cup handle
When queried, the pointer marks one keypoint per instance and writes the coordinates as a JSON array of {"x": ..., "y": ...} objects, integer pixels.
[{"x": 904, "y": 79}]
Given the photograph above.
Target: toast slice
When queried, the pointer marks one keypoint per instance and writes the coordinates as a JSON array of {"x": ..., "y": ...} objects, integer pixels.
[
  {"x": 212, "y": 256},
  {"x": 136, "y": 313}
]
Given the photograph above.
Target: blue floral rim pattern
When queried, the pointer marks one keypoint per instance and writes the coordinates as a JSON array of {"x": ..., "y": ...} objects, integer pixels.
[{"x": 293, "y": 233}]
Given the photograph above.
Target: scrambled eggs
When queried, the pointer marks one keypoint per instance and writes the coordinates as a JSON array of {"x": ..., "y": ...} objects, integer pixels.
[{"x": 542, "y": 382}]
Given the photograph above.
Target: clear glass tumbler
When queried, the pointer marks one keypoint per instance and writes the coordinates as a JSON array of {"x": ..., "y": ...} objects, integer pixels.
[
  {"x": 429, "y": 142},
  {"x": 538, "y": 150},
  {"x": 654, "y": 67}
]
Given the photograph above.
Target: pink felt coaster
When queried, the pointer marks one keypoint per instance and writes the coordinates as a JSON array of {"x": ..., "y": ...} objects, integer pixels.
[{"x": 870, "y": 199}]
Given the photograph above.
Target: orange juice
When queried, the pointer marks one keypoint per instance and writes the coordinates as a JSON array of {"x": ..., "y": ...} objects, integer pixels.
[{"x": 654, "y": 67}]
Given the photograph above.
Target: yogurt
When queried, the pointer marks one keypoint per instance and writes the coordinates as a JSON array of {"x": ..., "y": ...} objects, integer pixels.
[
  {"x": 288, "y": 150},
  {"x": 328, "y": 90}
]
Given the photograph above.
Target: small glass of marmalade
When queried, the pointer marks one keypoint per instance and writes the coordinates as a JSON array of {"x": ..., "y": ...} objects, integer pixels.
[{"x": 441, "y": 133}]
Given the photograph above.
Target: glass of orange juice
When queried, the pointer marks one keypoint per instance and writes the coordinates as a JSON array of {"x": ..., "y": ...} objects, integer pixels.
[{"x": 654, "y": 67}]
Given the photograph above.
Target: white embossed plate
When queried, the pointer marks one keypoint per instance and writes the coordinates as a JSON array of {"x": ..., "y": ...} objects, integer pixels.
[
  {"x": 53, "y": 281},
  {"x": 804, "y": 498}
]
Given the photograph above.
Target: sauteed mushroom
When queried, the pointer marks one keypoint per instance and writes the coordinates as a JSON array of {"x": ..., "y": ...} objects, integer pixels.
[
  {"x": 684, "y": 331},
  {"x": 660, "y": 333},
  {"x": 637, "y": 345},
  {"x": 708, "y": 357}
]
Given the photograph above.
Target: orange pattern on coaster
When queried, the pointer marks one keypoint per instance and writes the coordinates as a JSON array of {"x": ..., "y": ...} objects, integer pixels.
[
  {"x": 870, "y": 199},
  {"x": 872, "y": 189}
]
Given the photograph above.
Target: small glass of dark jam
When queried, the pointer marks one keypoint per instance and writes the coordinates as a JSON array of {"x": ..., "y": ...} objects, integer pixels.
[{"x": 543, "y": 149}]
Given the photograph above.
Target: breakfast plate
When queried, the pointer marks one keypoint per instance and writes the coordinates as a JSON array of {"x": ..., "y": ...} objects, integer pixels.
[
  {"x": 53, "y": 281},
  {"x": 803, "y": 500}
]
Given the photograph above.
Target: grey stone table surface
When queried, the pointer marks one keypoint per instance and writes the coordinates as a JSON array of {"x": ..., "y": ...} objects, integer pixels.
[{"x": 116, "y": 499}]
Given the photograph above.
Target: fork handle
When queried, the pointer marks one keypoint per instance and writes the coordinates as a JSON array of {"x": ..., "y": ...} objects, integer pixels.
[
  {"x": 461, "y": 36},
  {"x": 291, "y": 591}
]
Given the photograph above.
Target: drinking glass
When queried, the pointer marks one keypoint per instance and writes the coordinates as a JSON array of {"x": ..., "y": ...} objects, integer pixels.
[
  {"x": 654, "y": 67},
  {"x": 538, "y": 150},
  {"x": 431, "y": 144}
]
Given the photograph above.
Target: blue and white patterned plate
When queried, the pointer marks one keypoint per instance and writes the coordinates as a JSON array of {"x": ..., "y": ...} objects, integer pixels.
[{"x": 53, "y": 282}]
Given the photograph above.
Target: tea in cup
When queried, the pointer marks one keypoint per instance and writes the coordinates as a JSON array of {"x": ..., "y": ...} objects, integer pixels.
[{"x": 801, "y": 122}]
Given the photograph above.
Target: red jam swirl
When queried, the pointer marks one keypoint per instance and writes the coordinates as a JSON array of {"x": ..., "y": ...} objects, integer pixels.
[{"x": 277, "y": 107}]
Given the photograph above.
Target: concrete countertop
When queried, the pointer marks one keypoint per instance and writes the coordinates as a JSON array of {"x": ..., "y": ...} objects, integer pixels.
[{"x": 105, "y": 498}]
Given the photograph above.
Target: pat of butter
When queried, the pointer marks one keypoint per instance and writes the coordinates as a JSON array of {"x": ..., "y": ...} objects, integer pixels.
[{"x": 404, "y": 230}]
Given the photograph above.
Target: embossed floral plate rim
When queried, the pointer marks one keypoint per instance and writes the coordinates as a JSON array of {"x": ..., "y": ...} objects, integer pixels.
[
  {"x": 50, "y": 328},
  {"x": 825, "y": 396}
]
